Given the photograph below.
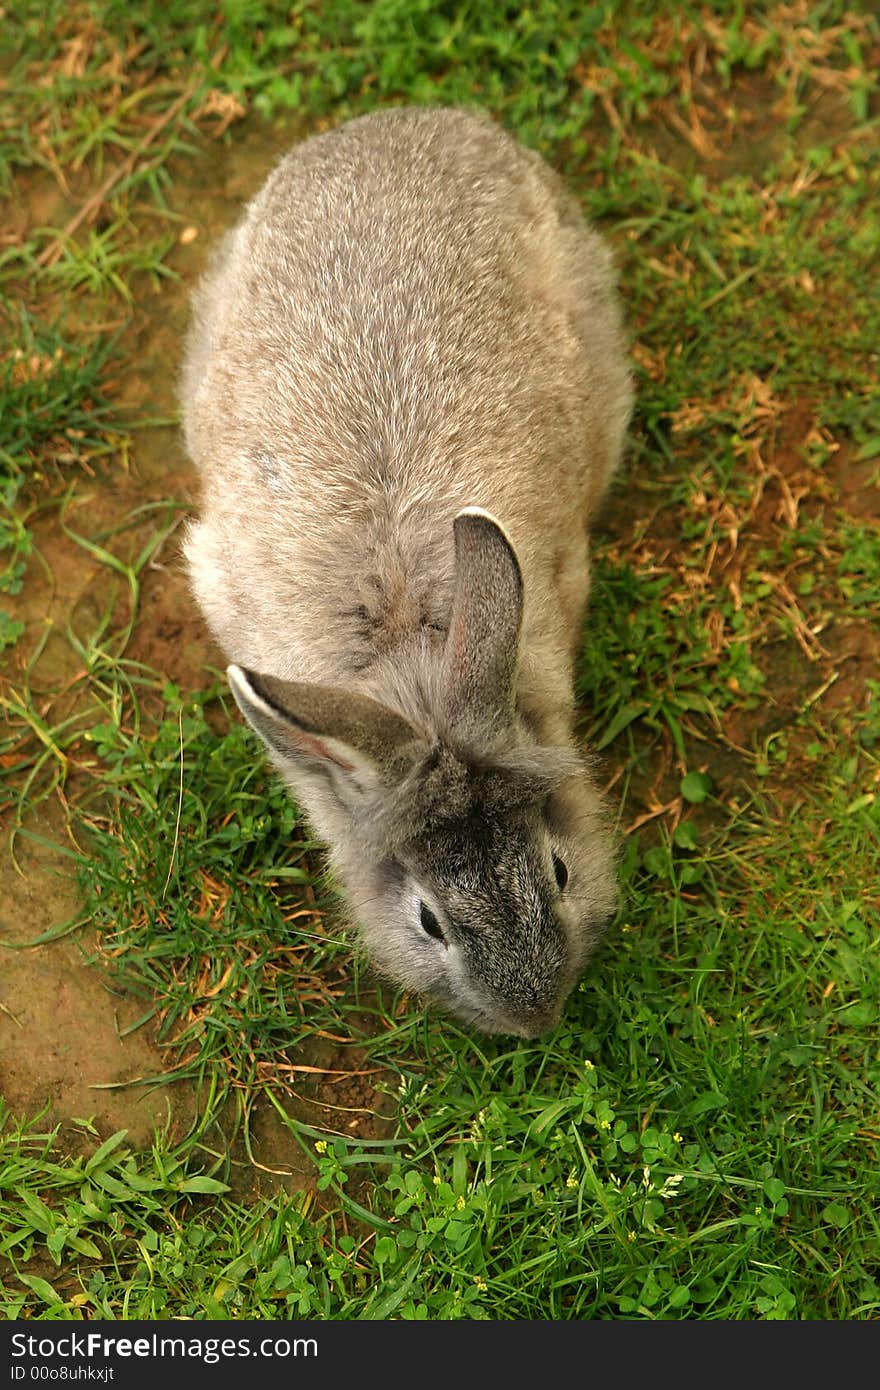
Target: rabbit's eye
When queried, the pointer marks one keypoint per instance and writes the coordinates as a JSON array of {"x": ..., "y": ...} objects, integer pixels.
[
  {"x": 430, "y": 923},
  {"x": 560, "y": 869}
]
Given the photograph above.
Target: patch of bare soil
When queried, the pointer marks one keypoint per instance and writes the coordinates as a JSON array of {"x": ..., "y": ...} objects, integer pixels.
[
  {"x": 70, "y": 1047},
  {"x": 744, "y": 127},
  {"x": 854, "y": 659},
  {"x": 796, "y": 474},
  {"x": 856, "y": 484},
  {"x": 334, "y": 1088}
]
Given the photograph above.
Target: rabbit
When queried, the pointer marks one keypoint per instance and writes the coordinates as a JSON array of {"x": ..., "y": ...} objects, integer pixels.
[{"x": 405, "y": 388}]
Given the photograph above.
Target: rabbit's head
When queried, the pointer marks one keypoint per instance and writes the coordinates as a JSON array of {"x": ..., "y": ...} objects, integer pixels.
[{"x": 475, "y": 858}]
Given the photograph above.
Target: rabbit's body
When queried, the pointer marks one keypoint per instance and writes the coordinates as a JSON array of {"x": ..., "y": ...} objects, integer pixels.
[{"x": 410, "y": 320}]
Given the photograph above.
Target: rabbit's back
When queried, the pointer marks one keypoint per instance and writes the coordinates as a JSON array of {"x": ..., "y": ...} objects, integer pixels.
[{"x": 411, "y": 317}]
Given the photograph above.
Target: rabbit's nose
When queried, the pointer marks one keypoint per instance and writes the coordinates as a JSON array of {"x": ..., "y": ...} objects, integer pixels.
[
  {"x": 538, "y": 1027},
  {"x": 539, "y": 1021}
]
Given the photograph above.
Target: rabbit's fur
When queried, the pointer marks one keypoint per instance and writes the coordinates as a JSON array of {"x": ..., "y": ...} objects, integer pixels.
[{"x": 406, "y": 389}]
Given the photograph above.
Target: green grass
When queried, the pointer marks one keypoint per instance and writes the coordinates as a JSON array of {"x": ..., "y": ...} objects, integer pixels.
[
  {"x": 51, "y": 414},
  {"x": 190, "y": 885},
  {"x": 698, "y": 1138}
]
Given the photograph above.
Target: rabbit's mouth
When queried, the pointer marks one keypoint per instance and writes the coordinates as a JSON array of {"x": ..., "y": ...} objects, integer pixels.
[
  {"x": 520, "y": 1028},
  {"x": 507, "y": 1021}
]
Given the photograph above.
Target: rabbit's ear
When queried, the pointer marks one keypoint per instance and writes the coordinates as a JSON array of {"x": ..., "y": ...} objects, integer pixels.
[
  {"x": 480, "y": 657},
  {"x": 323, "y": 734}
]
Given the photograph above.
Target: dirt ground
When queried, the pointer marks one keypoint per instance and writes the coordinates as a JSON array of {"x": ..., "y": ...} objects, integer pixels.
[{"x": 70, "y": 1047}]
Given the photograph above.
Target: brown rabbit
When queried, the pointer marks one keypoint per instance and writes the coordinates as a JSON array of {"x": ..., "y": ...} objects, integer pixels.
[{"x": 406, "y": 389}]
